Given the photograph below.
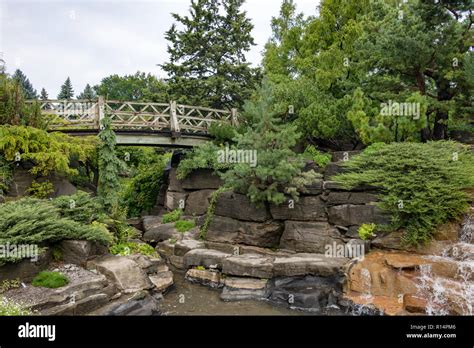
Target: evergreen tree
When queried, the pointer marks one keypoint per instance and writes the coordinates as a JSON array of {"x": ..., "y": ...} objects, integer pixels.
[
  {"x": 43, "y": 94},
  {"x": 279, "y": 171},
  {"x": 207, "y": 63},
  {"x": 87, "y": 94},
  {"x": 109, "y": 166},
  {"x": 28, "y": 91},
  {"x": 66, "y": 91}
]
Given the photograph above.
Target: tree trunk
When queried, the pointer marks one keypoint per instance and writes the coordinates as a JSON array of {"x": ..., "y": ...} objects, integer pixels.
[{"x": 440, "y": 127}]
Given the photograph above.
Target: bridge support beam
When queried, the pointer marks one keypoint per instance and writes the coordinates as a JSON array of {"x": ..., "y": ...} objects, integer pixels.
[{"x": 159, "y": 140}]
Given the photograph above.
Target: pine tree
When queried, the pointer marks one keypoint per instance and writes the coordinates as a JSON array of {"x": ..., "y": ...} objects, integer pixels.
[
  {"x": 67, "y": 91},
  {"x": 109, "y": 166},
  {"x": 279, "y": 171},
  {"x": 207, "y": 63},
  {"x": 43, "y": 94},
  {"x": 28, "y": 91},
  {"x": 87, "y": 94}
]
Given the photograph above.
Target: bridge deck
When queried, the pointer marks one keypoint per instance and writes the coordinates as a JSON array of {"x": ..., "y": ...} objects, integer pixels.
[{"x": 136, "y": 123}]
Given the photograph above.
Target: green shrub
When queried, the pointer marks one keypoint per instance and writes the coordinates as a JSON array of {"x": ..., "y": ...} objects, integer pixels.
[
  {"x": 129, "y": 248},
  {"x": 422, "y": 185},
  {"x": 52, "y": 280},
  {"x": 204, "y": 156},
  {"x": 279, "y": 171},
  {"x": 80, "y": 207},
  {"x": 8, "y": 284},
  {"x": 5, "y": 175},
  {"x": 184, "y": 225},
  {"x": 210, "y": 212},
  {"x": 140, "y": 192},
  {"x": 222, "y": 132},
  {"x": 172, "y": 216},
  {"x": 320, "y": 158},
  {"x": 34, "y": 221},
  {"x": 200, "y": 268},
  {"x": 40, "y": 189},
  {"x": 366, "y": 231},
  {"x": 50, "y": 152},
  {"x": 11, "y": 308}
]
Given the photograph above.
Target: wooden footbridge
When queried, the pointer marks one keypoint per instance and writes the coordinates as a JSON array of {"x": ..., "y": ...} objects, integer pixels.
[{"x": 136, "y": 123}]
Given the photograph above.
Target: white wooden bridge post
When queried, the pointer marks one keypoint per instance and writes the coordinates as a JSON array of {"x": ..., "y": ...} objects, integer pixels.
[
  {"x": 233, "y": 113},
  {"x": 174, "y": 125},
  {"x": 100, "y": 111}
]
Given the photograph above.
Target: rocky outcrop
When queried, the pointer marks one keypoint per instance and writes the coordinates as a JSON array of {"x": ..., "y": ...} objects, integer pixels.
[
  {"x": 306, "y": 209},
  {"x": 175, "y": 200},
  {"x": 204, "y": 277},
  {"x": 238, "y": 289},
  {"x": 349, "y": 214},
  {"x": 79, "y": 251},
  {"x": 302, "y": 264},
  {"x": 205, "y": 257},
  {"x": 197, "y": 202},
  {"x": 237, "y": 206},
  {"x": 201, "y": 179},
  {"x": 228, "y": 230},
  {"x": 309, "y": 237},
  {"x": 248, "y": 265}
]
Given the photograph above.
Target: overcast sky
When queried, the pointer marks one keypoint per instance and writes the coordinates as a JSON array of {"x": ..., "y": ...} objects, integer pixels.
[{"x": 88, "y": 40}]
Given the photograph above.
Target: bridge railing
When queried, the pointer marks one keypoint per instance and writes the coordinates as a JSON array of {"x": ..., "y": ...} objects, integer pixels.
[{"x": 132, "y": 115}]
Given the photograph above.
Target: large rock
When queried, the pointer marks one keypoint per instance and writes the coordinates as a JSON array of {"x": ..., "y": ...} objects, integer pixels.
[
  {"x": 314, "y": 189},
  {"x": 175, "y": 200},
  {"x": 162, "y": 281},
  {"x": 204, "y": 277},
  {"x": 123, "y": 272},
  {"x": 227, "y": 230},
  {"x": 346, "y": 197},
  {"x": 248, "y": 265},
  {"x": 205, "y": 257},
  {"x": 79, "y": 251},
  {"x": 322, "y": 295},
  {"x": 306, "y": 209},
  {"x": 161, "y": 233},
  {"x": 150, "y": 222},
  {"x": 239, "y": 289},
  {"x": 309, "y": 237},
  {"x": 26, "y": 269},
  {"x": 348, "y": 215},
  {"x": 302, "y": 264},
  {"x": 198, "y": 202},
  {"x": 174, "y": 184},
  {"x": 201, "y": 179},
  {"x": 62, "y": 186},
  {"x": 237, "y": 206},
  {"x": 332, "y": 169},
  {"x": 185, "y": 245}
]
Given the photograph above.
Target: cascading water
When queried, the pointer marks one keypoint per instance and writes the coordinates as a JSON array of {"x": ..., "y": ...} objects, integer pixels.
[{"x": 451, "y": 296}]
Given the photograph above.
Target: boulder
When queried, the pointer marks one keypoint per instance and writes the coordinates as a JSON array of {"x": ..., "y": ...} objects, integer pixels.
[
  {"x": 174, "y": 184},
  {"x": 161, "y": 233},
  {"x": 198, "y": 202},
  {"x": 392, "y": 240},
  {"x": 303, "y": 264},
  {"x": 204, "y": 277},
  {"x": 185, "y": 245},
  {"x": 165, "y": 248},
  {"x": 138, "y": 305},
  {"x": 248, "y": 265},
  {"x": 239, "y": 289},
  {"x": 26, "y": 269},
  {"x": 348, "y": 215},
  {"x": 123, "y": 272},
  {"x": 162, "y": 281},
  {"x": 201, "y": 179},
  {"x": 309, "y": 237},
  {"x": 306, "y": 209},
  {"x": 227, "y": 230},
  {"x": 79, "y": 251},
  {"x": 175, "y": 200},
  {"x": 205, "y": 257},
  {"x": 150, "y": 222},
  {"x": 414, "y": 304},
  {"x": 346, "y": 197},
  {"x": 321, "y": 295},
  {"x": 62, "y": 186},
  {"x": 237, "y": 206}
]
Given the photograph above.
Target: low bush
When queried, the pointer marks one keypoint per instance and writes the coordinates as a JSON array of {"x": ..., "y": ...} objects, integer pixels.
[
  {"x": 422, "y": 185},
  {"x": 184, "y": 225},
  {"x": 40, "y": 189},
  {"x": 366, "y": 231},
  {"x": 128, "y": 248},
  {"x": 51, "y": 280},
  {"x": 80, "y": 207},
  {"x": 11, "y": 308},
  {"x": 320, "y": 158},
  {"x": 172, "y": 216}
]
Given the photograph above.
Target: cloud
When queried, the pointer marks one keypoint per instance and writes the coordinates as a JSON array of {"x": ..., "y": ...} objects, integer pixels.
[{"x": 88, "y": 40}]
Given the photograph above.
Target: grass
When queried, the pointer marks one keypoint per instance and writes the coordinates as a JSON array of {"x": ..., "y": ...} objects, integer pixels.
[
  {"x": 172, "y": 216},
  {"x": 51, "y": 280},
  {"x": 184, "y": 225}
]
